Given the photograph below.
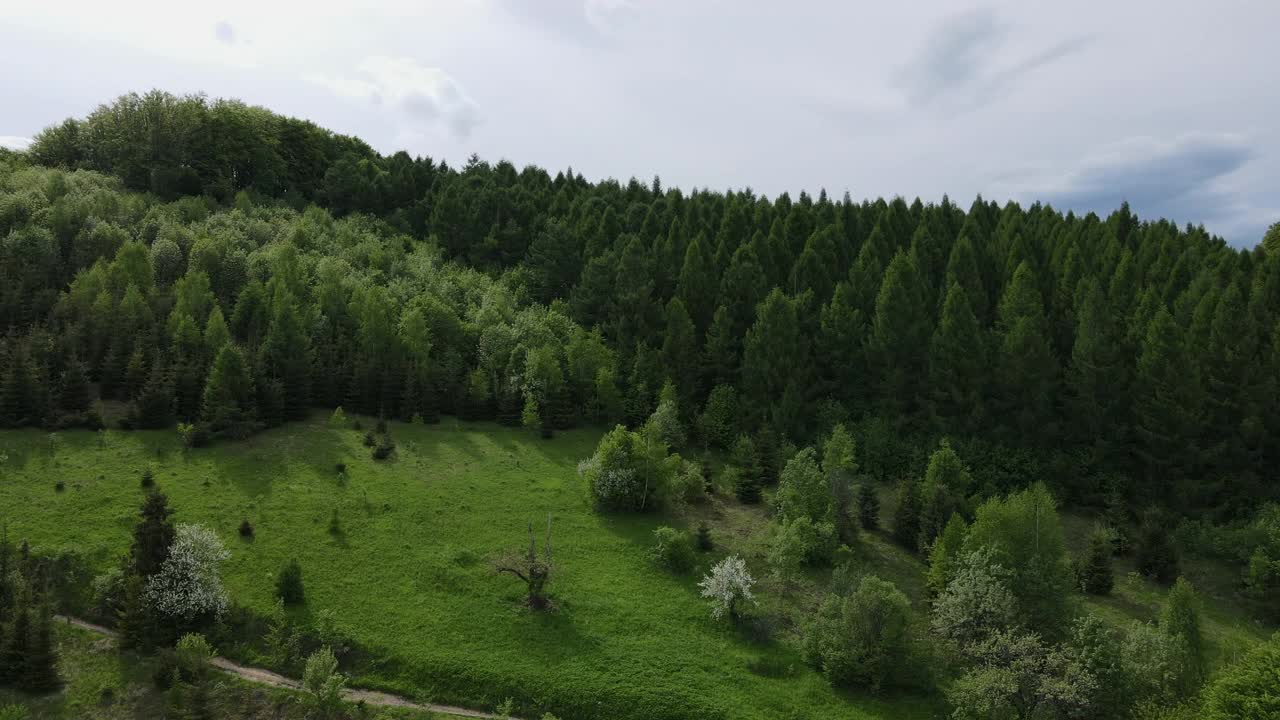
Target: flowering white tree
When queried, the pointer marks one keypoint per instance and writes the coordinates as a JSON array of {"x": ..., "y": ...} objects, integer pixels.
[
  {"x": 188, "y": 584},
  {"x": 728, "y": 587}
]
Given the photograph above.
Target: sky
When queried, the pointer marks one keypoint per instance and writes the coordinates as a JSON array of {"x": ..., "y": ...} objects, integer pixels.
[{"x": 1170, "y": 105}]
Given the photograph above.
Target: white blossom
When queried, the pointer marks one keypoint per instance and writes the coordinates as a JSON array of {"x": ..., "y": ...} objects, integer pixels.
[
  {"x": 728, "y": 585},
  {"x": 188, "y": 583}
]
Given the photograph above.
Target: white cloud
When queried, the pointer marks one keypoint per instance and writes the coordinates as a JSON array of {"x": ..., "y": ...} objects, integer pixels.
[
  {"x": 417, "y": 91},
  {"x": 13, "y": 142}
]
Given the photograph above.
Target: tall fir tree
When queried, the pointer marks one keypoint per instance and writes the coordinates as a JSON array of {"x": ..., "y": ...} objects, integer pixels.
[
  {"x": 899, "y": 339},
  {"x": 958, "y": 366},
  {"x": 1027, "y": 371}
]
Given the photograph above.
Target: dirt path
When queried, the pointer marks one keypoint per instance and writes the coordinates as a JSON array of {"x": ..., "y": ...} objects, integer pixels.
[{"x": 266, "y": 677}]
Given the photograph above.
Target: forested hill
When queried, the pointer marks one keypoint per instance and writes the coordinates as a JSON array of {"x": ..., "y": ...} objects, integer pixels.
[{"x": 1124, "y": 361}]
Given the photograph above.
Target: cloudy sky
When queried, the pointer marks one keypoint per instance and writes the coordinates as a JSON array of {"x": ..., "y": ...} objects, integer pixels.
[{"x": 1170, "y": 104}]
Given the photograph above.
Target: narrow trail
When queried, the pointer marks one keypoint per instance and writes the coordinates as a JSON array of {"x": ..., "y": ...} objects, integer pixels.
[{"x": 266, "y": 677}]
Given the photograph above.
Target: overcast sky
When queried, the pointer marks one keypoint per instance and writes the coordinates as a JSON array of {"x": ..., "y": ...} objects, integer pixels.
[{"x": 1172, "y": 104}]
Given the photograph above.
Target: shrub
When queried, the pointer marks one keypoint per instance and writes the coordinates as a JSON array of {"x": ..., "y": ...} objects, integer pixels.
[
  {"x": 705, "y": 543},
  {"x": 108, "y": 594},
  {"x": 863, "y": 639},
  {"x": 148, "y": 478},
  {"x": 246, "y": 529},
  {"x": 335, "y": 527},
  {"x": 323, "y": 683},
  {"x": 1154, "y": 551},
  {"x": 1248, "y": 688},
  {"x": 629, "y": 471},
  {"x": 289, "y": 584},
  {"x": 340, "y": 468},
  {"x": 59, "y": 486},
  {"x": 687, "y": 485},
  {"x": 384, "y": 449},
  {"x": 338, "y": 418},
  {"x": 370, "y": 440},
  {"x": 673, "y": 549},
  {"x": 1094, "y": 574}
]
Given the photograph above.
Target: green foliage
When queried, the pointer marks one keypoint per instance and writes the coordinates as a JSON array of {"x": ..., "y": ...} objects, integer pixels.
[
  {"x": 803, "y": 490},
  {"x": 1154, "y": 551},
  {"x": 1247, "y": 689},
  {"x": 323, "y": 683},
  {"x": 1180, "y": 619},
  {"x": 1024, "y": 534},
  {"x": 289, "y": 584},
  {"x": 906, "y": 515},
  {"x": 868, "y": 505},
  {"x": 629, "y": 471},
  {"x": 673, "y": 549},
  {"x": 1094, "y": 574},
  {"x": 945, "y": 491},
  {"x": 945, "y": 553},
  {"x": 863, "y": 639}
]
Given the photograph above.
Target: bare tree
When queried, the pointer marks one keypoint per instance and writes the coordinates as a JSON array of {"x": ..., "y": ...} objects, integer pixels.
[{"x": 535, "y": 572}]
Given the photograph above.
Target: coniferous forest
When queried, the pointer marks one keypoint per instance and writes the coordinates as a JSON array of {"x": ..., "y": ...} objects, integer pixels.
[{"x": 215, "y": 270}]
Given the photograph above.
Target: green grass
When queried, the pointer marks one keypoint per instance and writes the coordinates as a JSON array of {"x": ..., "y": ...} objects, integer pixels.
[
  {"x": 101, "y": 681},
  {"x": 411, "y": 572}
]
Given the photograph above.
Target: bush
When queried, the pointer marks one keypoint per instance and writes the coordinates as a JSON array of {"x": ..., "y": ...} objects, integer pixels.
[
  {"x": 335, "y": 527},
  {"x": 381, "y": 426},
  {"x": 148, "y": 479},
  {"x": 705, "y": 543},
  {"x": 673, "y": 549},
  {"x": 59, "y": 486},
  {"x": 338, "y": 418},
  {"x": 863, "y": 639},
  {"x": 246, "y": 529},
  {"x": 629, "y": 471},
  {"x": 289, "y": 584},
  {"x": 1248, "y": 688},
  {"x": 340, "y": 468},
  {"x": 370, "y": 439},
  {"x": 384, "y": 449}
]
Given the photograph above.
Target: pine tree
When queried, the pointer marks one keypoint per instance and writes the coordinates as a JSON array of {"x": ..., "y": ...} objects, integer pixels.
[
  {"x": 680, "y": 352},
  {"x": 135, "y": 374},
  {"x": 1095, "y": 574},
  {"x": 947, "y": 484},
  {"x": 1153, "y": 549},
  {"x": 152, "y": 536},
  {"x": 697, "y": 287},
  {"x": 1027, "y": 372},
  {"x": 841, "y": 348},
  {"x": 153, "y": 406},
  {"x": 39, "y": 668},
  {"x": 286, "y": 355},
  {"x": 963, "y": 270},
  {"x": 1096, "y": 379},
  {"x": 229, "y": 391},
  {"x": 868, "y": 504},
  {"x": 747, "y": 461},
  {"x": 958, "y": 366},
  {"x": 1166, "y": 405},
  {"x": 73, "y": 388},
  {"x": 906, "y": 516},
  {"x": 19, "y": 401},
  {"x": 945, "y": 553},
  {"x": 775, "y": 351},
  {"x": 1180, "y": 619},
  {"x": 13, "y": 655},
  {"x": 899, "y": 341}
]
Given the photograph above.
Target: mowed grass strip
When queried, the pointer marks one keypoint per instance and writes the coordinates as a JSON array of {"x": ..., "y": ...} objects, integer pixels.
[{"x": 410, "y": 571}]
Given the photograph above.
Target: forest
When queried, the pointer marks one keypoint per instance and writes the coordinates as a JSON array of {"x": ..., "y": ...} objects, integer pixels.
[{"x": 216, "y": 271}]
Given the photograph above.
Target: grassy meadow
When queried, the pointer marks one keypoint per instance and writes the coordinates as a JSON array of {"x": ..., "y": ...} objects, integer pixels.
[{"x": 410, "y": 571}]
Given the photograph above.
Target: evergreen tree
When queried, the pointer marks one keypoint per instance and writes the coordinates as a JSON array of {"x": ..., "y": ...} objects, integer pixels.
[
  {"x": 286, "y": 356},
  {"x": 747, "y": 461},
  {"x": 946, "y": 486},
  {"x": 906, "y": 516},
  {"x": 1153, "y": 550},
  {"x": 1166, "y": 405},
  {"x": 899, "y": 339},
  {"x": 1095, "y": 389},
  {"x": 868, "y": 504},
  {"x": 152, "y": 536},
  {"x": 153, "y": 406},
  {"x": 680, "y": 352},
  {"x": 958, "y": 366},
  {"x": 229, "y": 391},
  {"x": 1095, "y": 574},
  {"x": 945, "y": 554},
  {"x": 1180, "y": 619},
  {"x": 1027, "y": 371},
  {"x": 39, "y": 672},
  {"x": 698, "y": 285},
  {"x": 73, "y": 388},
  {"x": 776, "y": 351}
]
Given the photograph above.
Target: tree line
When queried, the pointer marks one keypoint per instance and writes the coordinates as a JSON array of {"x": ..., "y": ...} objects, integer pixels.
[{"x": 250, "y": 266}]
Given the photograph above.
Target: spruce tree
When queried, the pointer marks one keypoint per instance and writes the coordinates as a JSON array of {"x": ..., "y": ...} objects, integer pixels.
[
  {"x": 152, "y": 536},
  {"x": 229, "y": 391},
  {"x": 73, "y": 388},
  {"x": 1167, "y": 405},
  {"x": 906, "y": 516},
  {"x": 153, "y": 406},
  {"x": 697, "y": 287},
  {"x": 1095, "y": 575},
  {"x": 1026, "y": 370},
  {"x": 680, "y": 353},
  {"x": 39, "y": 668},
  {"x": 899, "y": 341},
  {"x": 1096, "y": 381},
  {"x": 1153, "y": 549},
  {"x": 286, "y": 356},
  {"x": 947, "y": 484},
  {"x": 958, "y": 366},
  {"x": 868, "y": 503},
  {"x": 775, "y": 352},
  {"x": 747, "y": 461}
]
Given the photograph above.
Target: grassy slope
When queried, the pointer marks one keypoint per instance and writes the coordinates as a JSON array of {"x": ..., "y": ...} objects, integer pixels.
[
  {"x": 102, "y": 682},
  {"x": 411, "y": 573}
]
